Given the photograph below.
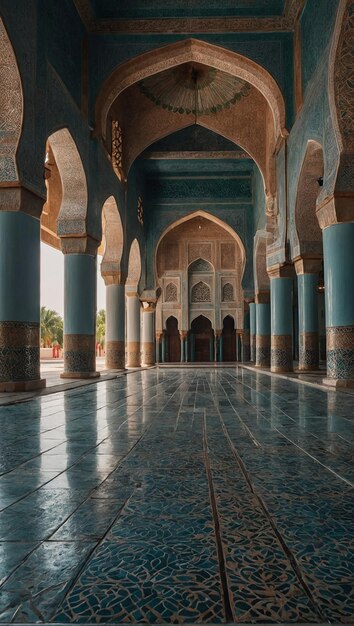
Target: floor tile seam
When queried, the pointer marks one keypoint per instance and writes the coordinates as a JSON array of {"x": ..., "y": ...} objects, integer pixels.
[
  {"x": 72, "y": 386},
  {"x": 294, "y": 379},
  {"x": 95, "y": 548},
  {"x": 300, "y": 448},
  {"x": 243, "y": 424},
  {"x": 224, "y": 582},
  {"x": 286, "y": 550},
  {"x": 348, "y": 482}
]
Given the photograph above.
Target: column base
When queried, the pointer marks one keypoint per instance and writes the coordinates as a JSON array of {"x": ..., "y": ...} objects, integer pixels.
[
  {"x": 133, "y": 354},
  {"x": 262, "y": 350},
  {"x": 22, "y": 385},
  {"x": 340, "y": 353},
  {"x": 281, "y": 354},
  {"x": 148, "y": 354},
  {"x": 115, "y": 355},
  {"x": 338, "y": 383},
  {"x": 80, "y": 375},
  {"x": 308, "y": 352}
]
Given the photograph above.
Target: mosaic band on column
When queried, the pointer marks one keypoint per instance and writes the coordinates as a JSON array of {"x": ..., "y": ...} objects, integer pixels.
[
  {"x": 262, "y": 350},
  {"x": 340, "y": 352},
  {"x": 281, "y": 353},
  {"x": 148, "y": 353},
  {"x": 253, "y": 348},
  {"x": 308, "y": 351},
  {"x": 19, "y": 356},
  {"x": 133, "y": 354},
  {"x": 115, "y": 355},
  {"x": 79, "y": 356}
]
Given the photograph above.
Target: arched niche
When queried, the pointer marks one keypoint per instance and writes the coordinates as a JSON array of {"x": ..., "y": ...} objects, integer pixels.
[
  {"x": 112, "y": 242},
  {"x": 72, "y": 213},
  {"x": 134, "y": 266},
  {"x": 173, "y": 342},
  {"x": 228, "y": 335},
  {"x": 11, "y": 108},
  {"x": 202, "y": 339},
  {"x": 308, "y": 232}
]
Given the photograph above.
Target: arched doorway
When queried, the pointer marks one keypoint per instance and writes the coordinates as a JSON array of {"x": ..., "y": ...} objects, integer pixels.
[
  {"x": 228, "y": 339},
  {"x": 202, "y": 338},
  {"x": 173, "y": 343}
]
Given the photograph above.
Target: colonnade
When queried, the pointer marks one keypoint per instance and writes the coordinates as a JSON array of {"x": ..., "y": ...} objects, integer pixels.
[
  {"x": 271, "y": 313},
  {"x": 267, "y": 337}
]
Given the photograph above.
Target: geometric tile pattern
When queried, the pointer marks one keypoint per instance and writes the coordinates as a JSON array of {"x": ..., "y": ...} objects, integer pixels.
[
  {"x": 178, "y": 496},
  {"x": 19, "y": 351},
  {"x": 340, "y": 352}
]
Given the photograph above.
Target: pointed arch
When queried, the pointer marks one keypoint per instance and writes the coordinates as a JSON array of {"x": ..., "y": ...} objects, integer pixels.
[
  {"x": 186, "y": 51},
  {"x": 215, "y": 220},
  {"x": 11, "y": 108},
  {"x": 73, "y": 208},
  {"x": 200, "y": 265},
  {"x": 113, "y": 239},
  {"x": 307, "y": 229},
  {"x": 134, "y": 265}
]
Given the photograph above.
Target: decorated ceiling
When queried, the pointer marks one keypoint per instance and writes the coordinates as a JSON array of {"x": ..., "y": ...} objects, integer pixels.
[{"x": 140, "y": 9}]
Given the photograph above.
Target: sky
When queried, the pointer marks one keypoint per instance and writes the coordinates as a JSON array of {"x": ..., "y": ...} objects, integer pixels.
[{"x": 52, "y": 280}]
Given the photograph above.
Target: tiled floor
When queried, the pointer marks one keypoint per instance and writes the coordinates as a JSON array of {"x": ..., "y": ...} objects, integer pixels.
[{"x": 178, "y": 496}]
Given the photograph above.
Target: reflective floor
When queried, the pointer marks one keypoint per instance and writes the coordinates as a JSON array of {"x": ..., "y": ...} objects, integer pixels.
[{"x": 178, "y": 496}]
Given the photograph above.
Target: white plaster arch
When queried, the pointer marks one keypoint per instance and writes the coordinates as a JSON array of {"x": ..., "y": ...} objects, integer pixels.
[
  {"x": 261, "y": 278},
  {"x": 113, "y": 238},
  {"x": 207, "y": 314},
  {"x": 73, "y": 209},
  {"x": 134, "y": 265},
  {"x": 11, "y": 108}
]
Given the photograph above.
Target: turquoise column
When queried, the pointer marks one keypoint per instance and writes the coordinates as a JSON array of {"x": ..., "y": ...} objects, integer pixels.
[
  {"x": 148, "y": 333},
  {"x": 80, "y": 280},
  {"x": 133, "y": 329},
  {"x": 308, "y": 322},
  {"x": 281, "y": 291},
  {"x": 19, "y": 302},
  {"x": 181, "y": 339},
  {"x": 253, "y": 331},
  {"x": 338, "y": 250},
  {"x": 192, "y": 347},
  {"x": 115, "y": 326},
  {"x": 262, "y": 334}
]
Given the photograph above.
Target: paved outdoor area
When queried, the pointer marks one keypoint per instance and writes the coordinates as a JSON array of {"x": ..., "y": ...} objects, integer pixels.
[{"x": 178, "y": 495}]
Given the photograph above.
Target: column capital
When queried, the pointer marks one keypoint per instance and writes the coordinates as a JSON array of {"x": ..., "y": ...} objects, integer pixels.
[
  {"x": 85, "y": 244},
  {"x": 335, "y": 209},
  {"x": 307, "y": 265},
  {"x": 262, "y": 297},
  {"x": 112, "y": 276},
  {"x": 183, "y": 334},
  {"x": 148, "y": 306},
  {"x": 16, "y": 197},
  {"x": 281, "y": 271}
]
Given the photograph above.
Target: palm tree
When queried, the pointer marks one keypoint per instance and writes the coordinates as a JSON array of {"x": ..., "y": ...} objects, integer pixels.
[
  {"x": 51, "y": 327},
  {"x": 101, "y": 327}
]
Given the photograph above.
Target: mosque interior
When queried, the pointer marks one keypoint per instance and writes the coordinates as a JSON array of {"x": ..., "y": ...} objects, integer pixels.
[{"x": 203, "y": 154}]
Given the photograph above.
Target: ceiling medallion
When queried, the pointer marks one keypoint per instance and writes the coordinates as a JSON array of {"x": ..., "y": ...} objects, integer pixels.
[{"x": 194, "y": 89}]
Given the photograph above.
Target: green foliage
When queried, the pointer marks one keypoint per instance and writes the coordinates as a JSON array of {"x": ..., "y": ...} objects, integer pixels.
[
  {"x": 51, "y": 328},
  {"x": 101, "y": 327}
]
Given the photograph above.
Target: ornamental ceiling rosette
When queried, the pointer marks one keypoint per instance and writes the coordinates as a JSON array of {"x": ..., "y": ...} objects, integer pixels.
[{"x": 193, "y": 88}]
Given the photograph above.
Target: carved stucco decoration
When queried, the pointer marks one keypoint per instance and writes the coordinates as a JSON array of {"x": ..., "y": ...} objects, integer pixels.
[
  {"x": 200, "y": 292},
  {"x": 228, "y": 293},
  {"x": 171, "y": 293},
  {"x": 261, "y": 278},
  {"x": 182, "y": 25},
  {"x": 113, "y": 241},
  {"x": 200, "y": 265},
  {"x": 11, "y": 108},
  {"x": 307, "y": 236},
  {"x": 191, "y": 223},
  {"x": 341, "y": 99},
  {"x": 73, "y": 210},
  {"x": 134, "y": 265},
  {"x": 189, "y": 50}
]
